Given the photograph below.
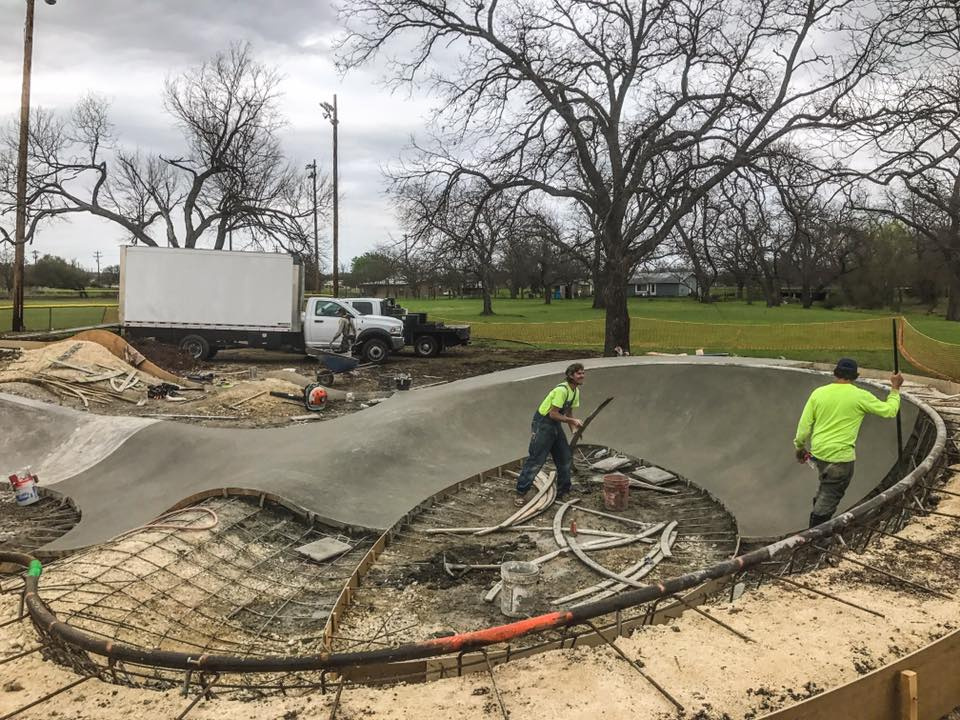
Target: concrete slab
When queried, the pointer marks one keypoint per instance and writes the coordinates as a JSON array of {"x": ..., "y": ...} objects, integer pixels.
[
  {"x": 57, "y": 442},
  {"x": 726, "y": 423}
]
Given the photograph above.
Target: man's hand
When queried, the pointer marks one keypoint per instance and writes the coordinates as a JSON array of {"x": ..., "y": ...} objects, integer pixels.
[
  {"x": 896, "y": 381},
  {"x": 802, "y": 455},
  {"x": 575, "y": 423}
]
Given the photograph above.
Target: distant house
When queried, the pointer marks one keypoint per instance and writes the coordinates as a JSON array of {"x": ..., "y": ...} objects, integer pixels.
[
  {"x": 662, "y": 284},
  {"x": 575, "y": 289},
  {"x": 391, "y": 287}
]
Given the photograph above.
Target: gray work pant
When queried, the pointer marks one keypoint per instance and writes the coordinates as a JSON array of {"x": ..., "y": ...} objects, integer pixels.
[{"x": 835, "y": 477}]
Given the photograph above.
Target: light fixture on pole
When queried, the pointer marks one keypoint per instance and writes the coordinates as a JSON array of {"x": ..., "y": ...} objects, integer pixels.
[
  {"x": 312, "y": 174},
  {"x": 330, "y": 113},
  {"x": 20, "y": 233}
]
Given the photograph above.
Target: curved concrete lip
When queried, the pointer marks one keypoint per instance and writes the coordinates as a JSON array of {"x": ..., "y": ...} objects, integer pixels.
[
  {"x": 58, "y": 442},
  {"x": 725, "y": 423}
]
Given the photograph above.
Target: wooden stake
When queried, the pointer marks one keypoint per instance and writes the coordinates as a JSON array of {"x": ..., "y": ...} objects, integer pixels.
[
  {"x": 909, "y": 699},
  {"x": 248, "y": 399}
]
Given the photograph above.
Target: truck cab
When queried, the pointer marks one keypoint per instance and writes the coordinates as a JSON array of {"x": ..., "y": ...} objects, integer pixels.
[
  {"x": 377, "y": 335},
  {"x": 428, "y": 339}
]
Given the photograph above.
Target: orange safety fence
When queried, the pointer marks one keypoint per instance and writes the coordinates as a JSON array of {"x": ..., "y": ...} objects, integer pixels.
[{"x": 932, "y": 357}]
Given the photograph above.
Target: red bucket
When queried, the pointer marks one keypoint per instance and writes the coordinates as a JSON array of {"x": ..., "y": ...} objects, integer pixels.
[{"x": 616, "y": 491}]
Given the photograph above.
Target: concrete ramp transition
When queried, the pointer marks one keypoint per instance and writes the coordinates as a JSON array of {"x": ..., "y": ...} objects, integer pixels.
[{"x": 725, "y": 423}]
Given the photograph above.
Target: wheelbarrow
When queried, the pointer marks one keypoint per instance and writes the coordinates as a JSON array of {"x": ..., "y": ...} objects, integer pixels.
[{"x": 333, "y": 363}]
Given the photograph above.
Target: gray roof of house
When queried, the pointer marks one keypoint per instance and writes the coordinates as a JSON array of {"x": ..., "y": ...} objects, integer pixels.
[{"x": 660, "y": 278}]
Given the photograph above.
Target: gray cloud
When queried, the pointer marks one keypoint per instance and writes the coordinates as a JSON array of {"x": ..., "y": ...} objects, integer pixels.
[
  {"x": 124, "y": 50},
  {"x": 186, "y": 28}
]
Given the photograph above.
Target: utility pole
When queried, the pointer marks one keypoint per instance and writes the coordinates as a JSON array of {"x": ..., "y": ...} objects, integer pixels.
[
  {"x": 330, "y": 113},
  {"x": 98, "y": 255},
  {"x": 20, "y": 233},
  {"x": 312, "y": 167},
  {"x": 35, "y": 255}
]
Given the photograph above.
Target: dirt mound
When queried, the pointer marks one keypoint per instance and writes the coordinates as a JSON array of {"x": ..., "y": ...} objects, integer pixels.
[
  {"x": 166, "y": 356},
  {"x": 126, "y": 352},
  {"x": 62, "y": 359}
]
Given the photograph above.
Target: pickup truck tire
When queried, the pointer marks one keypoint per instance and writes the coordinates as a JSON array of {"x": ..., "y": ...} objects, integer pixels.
[
  {"x": 196, "y": 346},
  {"x": 426, "y": 346},
  {"x": 375, "y": 350}
]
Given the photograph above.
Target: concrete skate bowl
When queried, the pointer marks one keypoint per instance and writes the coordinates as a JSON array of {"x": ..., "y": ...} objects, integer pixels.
[{"x": 725, "y": 425}]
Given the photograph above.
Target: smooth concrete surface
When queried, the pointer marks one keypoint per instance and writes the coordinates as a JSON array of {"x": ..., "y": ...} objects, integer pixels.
[
  {"x": 57, "y": 442},
  {"x": 726, "y": 423}
]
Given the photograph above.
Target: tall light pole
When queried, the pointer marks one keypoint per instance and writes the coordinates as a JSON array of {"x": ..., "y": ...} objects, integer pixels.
[
  {"x": 312, "y": 167},
  {"x": 20, "y": 233},
  {"x": 330, "y": 113}
]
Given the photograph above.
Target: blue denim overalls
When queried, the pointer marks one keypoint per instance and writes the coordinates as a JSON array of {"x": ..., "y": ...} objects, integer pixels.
[{"x": 547, "y": 437}]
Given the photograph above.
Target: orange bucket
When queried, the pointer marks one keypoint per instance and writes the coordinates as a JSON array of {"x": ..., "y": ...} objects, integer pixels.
[{"x": 616, "y": 491}]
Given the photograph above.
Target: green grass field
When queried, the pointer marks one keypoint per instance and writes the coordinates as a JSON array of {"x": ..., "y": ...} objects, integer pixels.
[
  {"x": 63, "y": 312},
  {"x": 43, "y": 313},
  {"x": 680, "y": 309}
]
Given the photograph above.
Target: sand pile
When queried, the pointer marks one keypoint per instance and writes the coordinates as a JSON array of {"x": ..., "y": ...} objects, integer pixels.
[
  {"x": 81, "y": 371},
  {"x": 71, "y": 360}
]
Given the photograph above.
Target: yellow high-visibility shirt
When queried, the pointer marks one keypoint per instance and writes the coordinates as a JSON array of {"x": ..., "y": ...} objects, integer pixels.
[
  {"x": 832, "y": 416},
  {"x": 558, "y": 397}
]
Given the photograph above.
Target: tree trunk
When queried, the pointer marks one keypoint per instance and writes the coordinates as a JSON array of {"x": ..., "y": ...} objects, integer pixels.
[
  {"x": 953, "y": 302},
  {"x": 487, "y": 298},
  {"x": 599, "y": 277},
  {"x": 703, "y": 291},
  {"x": 617, "y": 329},
  {"x": 547, "y": 296},
  {"x": 739, "y": 295},
  {"x": 806, "y": 293}
]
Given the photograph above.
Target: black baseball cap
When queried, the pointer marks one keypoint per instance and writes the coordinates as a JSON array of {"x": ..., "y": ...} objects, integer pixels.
[{"x": 846, "y": 369}]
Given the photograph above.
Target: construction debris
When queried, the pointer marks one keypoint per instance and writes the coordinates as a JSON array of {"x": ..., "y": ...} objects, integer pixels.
[{"x": 611, "y": 464}]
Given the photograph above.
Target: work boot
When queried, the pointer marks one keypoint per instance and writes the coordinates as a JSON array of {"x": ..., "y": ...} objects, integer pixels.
[
  {"x": 818, "y": 519},
  {"x": 520, "y": 499},
  {"x": 563, "y": 492}
]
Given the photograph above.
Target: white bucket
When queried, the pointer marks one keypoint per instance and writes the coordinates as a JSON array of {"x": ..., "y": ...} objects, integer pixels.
[
  {"x": 25, "y": 489},
  {"x": 518, "y": 594}
]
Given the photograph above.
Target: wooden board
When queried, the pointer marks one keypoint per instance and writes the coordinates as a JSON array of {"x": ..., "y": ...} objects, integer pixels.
[{"x": 878, "y": 696}]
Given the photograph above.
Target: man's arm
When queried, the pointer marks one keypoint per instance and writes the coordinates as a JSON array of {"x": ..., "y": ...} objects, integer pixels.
[
  {"x": 805, "y": 426},
  {"x": 570, "y": 420},
  {"x": 884, "y": 408}
]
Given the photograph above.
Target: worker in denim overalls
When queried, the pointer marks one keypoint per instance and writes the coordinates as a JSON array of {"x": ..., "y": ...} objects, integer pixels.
[{"x": 547, "y": 436}]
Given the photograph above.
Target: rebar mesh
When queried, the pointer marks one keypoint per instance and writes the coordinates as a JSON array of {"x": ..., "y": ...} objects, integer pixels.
[{"x": 239, "y": 589}]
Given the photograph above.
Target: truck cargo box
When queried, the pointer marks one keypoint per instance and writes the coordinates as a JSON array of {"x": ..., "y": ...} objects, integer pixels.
[{"x": 213, "y": 289}]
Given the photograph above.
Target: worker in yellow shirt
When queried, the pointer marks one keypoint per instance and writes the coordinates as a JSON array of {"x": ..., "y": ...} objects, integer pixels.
[
  {"x": 547, "y": 436},
  {"x": 831, "y": 422}
]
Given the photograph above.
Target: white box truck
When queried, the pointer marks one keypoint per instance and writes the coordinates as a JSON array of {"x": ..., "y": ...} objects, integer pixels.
[{"x": 210, "y": 300}]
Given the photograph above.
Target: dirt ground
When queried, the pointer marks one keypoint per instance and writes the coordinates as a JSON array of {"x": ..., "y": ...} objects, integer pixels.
[
  {"x": 801, "y": 644},
  {"x": 233, "y": 388}
]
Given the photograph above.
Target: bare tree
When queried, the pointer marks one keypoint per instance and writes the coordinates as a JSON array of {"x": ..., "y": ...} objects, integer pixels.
[
  {"x": 819, "y": 218},
  {"x": 920, "y": 144},
  {"x": 601, "y": 102},
  {"x": 466, "y": 228},
  {"x": 232, "y": 176},
  {"x": 698, "y": 238}
]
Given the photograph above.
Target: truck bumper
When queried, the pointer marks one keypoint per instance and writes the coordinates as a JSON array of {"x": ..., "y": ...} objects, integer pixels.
[{"x": 396, "y": 342}]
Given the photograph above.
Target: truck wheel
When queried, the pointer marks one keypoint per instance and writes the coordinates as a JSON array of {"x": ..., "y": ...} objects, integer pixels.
[
  {"x": 196, "y": 346},
  {"x": 375, "y": 350},
  {"x": 426, "y": 346},
  {"x": 212, "y": 354}
]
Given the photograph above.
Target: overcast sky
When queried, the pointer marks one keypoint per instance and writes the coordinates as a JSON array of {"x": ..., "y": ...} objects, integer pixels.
[{"x": 124, "y": 50}]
